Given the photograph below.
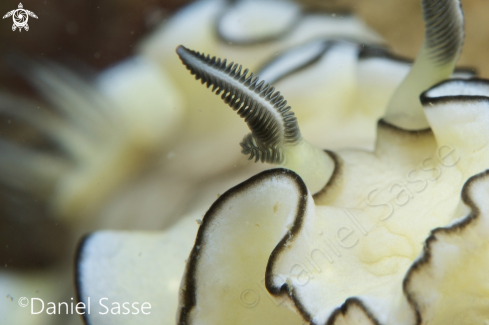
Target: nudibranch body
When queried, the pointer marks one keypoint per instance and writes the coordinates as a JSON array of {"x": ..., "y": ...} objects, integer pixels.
[{"x": 397, "y": 235}]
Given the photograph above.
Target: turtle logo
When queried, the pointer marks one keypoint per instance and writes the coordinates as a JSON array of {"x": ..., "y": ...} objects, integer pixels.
[{"x": 20, "y": 16}]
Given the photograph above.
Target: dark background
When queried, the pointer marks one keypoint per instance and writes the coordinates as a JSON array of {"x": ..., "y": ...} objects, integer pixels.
[{"x": 98, "y": 33}]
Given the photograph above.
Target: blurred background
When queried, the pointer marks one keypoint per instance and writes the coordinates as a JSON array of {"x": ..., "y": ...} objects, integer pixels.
[
  {"x": 89, "y": 36},
  {"x": 100, "y": 33}
]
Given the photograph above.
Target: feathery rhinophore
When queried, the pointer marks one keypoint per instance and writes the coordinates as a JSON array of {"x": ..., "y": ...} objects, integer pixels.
[{"x": 271, "y": 121}]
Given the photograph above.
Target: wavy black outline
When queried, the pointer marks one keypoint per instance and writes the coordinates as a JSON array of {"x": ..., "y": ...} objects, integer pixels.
[
  {"x": 427, "y": 100},
  {"x": 343, "y": 310},
  {"x": 337, "y": 171},
  {"x": 285, "y": 290},
  {"x": 287, "y": 240},
  {"x": 402, "y": 132},
  {"x": 425, "y": 258},
  {"x": 426, "y": 254},
  {"x": 327, "y": 44},
  {"x": 77, "y": 273},
  {"x": 262, "y": 40},
  {"x": 365, "y": 52},
  {"x": 304, "y": 12},
  {"x": 188, "y": 299}
]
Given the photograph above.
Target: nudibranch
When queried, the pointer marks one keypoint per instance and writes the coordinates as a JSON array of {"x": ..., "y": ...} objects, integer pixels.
[
  {"x": 393, "y": 236},
  {"x": 141, "y": 110}
]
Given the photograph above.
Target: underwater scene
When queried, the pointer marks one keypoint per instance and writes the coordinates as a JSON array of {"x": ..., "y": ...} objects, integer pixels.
[{"x": 216, "y": 162}]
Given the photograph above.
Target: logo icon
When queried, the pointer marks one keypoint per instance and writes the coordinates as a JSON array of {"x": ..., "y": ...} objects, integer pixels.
[{"x": 20, "y": 17}]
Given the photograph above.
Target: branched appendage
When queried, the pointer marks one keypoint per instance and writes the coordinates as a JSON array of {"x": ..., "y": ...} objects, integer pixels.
[
  {"x": 444, "y": 37},
  {"x": 275, "y": 136},
  {"x": 270, "y": 120},
  {"x": 250, "y": 147}
]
